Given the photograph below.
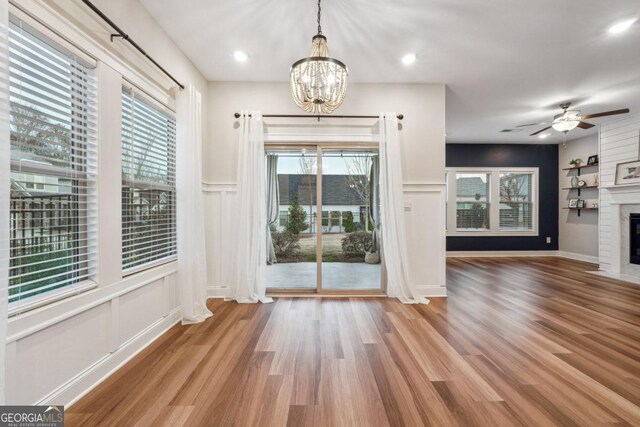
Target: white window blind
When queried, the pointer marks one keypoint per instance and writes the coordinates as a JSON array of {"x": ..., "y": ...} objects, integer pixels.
[
  {"x": 472, "y": 201},
  {"x": 53, "y": 166},
  {"x": 148, "y": 182},
  {"x": 516, "y": 201}
]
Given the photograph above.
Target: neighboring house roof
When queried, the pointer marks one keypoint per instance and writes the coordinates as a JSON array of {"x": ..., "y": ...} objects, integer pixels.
[
  {"x": 469, "y": 187},
  {"x": 335, "y": 190}
]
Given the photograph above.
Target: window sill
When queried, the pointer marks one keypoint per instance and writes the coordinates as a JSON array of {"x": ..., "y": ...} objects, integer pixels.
[
  {"x": 148, "y": 266},
  {"x": 489, "y": 233},
  {"x": 37, "y": 301}
]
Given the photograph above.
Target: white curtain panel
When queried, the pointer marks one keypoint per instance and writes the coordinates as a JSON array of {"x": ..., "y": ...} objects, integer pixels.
[
  {"x": 249, "y": 281},
  {"x": 394, "y": 235},
  {"x": 192, "y": 263},
  {"x": 5, "y": 185}
]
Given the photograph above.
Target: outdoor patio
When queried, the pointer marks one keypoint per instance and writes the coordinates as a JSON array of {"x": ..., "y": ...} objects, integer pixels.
[{"x": 335, "y": 275}]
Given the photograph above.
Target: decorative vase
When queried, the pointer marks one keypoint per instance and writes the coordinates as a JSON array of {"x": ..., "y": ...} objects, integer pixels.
[{"x": 575, "y": 181}]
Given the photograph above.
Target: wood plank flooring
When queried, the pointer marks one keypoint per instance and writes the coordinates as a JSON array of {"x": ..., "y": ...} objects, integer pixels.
[{"x": 519, "y": 341}]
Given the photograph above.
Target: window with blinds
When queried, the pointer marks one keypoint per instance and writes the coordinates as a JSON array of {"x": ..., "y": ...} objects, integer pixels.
[
  {"x": 472, "y": 201},
  {"x": 148, "y": 183},
  {"x": 516, "y": 201},
  {"x": 53, "y": 166}
]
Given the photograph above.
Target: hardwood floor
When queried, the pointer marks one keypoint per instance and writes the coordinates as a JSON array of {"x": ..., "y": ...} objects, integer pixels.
[{"x": 519, "y": 341}]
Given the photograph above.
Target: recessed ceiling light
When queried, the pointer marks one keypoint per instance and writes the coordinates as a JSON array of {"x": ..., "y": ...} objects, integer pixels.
[
  {"x": 622, "y": 26},
  {"x": 240, "y": 56},
  {"x": 544, "y": 135},
  {"x": 409, "y": 59}
]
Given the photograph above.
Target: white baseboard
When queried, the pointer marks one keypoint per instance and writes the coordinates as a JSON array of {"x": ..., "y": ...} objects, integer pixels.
[
  {"x": 432, "y": 291},
  {"x": 217, "y": 291},
  {"x": 578, "y": 257},
  {"x": 83, "y": 383},
  {"x": 493, "y": 254}
]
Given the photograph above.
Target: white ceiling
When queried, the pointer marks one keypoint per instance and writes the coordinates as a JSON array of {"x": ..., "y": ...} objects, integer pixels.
[{"x": 505, "y": 62}]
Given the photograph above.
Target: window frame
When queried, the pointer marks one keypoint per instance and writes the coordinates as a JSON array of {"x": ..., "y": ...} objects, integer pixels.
[
  {"x": 171, "y": 187},
  {"x": 87, "y": 227},
  {"x": 493, "y": 201}
]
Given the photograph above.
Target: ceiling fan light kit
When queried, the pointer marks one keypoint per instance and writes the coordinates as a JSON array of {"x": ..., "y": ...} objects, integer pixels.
[
  {"x": 566, "y": 121},
  {"x": 571, "y": 119},
  {"x": 318, "y": 82}
]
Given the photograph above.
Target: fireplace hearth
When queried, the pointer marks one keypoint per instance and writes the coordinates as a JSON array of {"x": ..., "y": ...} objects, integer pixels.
[{"x": 634, "y": 238}]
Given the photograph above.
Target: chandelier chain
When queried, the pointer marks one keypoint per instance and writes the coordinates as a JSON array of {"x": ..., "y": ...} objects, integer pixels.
[{"x": 319, "y": 27}]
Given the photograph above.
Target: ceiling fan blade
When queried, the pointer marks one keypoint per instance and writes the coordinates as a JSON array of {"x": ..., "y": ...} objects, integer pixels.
[
  {"x": 540, "y": 131},
  {"x": 606, "y": 113},
  {"x": 585, "y": 125},
  {"x": 532, "y": 124}
]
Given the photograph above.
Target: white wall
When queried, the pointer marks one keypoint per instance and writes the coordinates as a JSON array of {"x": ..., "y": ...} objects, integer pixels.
[
  {"x": 619, "y": 142},
  {"x": 58, "y": 352},
  {"x": 578, "y": 235},
  {"x": 423, "y": 160}
]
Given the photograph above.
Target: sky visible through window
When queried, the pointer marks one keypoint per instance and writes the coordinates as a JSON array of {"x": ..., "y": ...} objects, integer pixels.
[{"x": 331, "y": 164}]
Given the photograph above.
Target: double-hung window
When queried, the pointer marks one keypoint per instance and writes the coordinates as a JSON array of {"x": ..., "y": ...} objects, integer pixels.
[
  {"x": 472, "y": 201},
  {"x": 148, "y": 182},
  {"x": 492, "y": 201},
  {"x": 516, "y": 201},
  {"x": 53, "y": 167}
]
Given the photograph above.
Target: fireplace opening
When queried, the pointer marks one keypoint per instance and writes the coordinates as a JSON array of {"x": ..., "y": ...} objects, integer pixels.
[{"x": 634, "y": 238}]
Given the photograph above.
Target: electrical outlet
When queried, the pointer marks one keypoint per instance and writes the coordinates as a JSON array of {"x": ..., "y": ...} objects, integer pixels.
[{"x": 548, "y": 239}]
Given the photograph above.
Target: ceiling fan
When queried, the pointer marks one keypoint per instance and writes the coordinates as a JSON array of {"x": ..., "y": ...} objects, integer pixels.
[{"x": 570, "y": 119}]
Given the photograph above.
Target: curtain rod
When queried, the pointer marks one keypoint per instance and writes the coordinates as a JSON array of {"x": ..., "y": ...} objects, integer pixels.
[
  {"x": 318, "y": 116},
  {"x": 126, "y": 37}
]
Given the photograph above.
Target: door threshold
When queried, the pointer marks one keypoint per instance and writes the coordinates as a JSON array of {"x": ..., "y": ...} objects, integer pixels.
[{"x": 326, "y": 295}]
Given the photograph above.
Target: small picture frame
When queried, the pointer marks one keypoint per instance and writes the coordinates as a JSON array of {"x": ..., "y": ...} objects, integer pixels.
[
  {"x": 573, "y": 203},
  {"x": 628, "y": 173},
  {"x": 581, "y": 204},
  {"x": 592, "y": 160}
]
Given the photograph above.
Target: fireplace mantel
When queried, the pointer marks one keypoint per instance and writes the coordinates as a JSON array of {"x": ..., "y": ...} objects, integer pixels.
[{"x": 624, "y": 194}]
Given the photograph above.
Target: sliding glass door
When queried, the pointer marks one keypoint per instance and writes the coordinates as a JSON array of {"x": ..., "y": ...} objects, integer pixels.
[
  {"x": 326, "y": 234},
  {"x": 294, "y": 230},
  {"x": 350, "y": 250}
]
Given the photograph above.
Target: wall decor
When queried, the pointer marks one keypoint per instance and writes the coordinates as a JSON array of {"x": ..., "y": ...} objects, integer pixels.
[
  {"x": 592, "y": 160},
  {"x": 575, "y": 181},
  {"x": 575, "y": 163},
  {"x": 628, "y": 173},
  {"x": 580, "y": 204},
  {"x": 573, "y": 203}
]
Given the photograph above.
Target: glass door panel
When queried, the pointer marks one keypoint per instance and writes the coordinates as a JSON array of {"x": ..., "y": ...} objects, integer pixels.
[
  {"x": 350, "y": 220},
  {"x": 294, "y": 229}
]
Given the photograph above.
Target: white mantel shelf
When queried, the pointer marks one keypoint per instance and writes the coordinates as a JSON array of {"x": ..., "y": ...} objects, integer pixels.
[{"x": 628, "y": 188}]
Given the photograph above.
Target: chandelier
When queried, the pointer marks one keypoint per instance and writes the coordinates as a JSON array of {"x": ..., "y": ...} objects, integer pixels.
[{"x": 319, "y": 83}]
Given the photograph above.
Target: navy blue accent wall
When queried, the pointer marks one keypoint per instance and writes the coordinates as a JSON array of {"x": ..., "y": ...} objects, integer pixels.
[{"x": 545, "y": 157}]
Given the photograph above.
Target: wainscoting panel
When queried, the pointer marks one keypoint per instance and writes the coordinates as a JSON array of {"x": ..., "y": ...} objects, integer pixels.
[
  {"x": 59, "y": 352},
  {"x": 425, "y": 216}
]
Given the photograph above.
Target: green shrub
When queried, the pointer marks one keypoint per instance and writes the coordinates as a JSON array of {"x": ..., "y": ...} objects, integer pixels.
[
  {"x": 348, "y": 224},
  {"x": 285, "y": 243},
  {"x": 356, "y": 243},
  {"x": 297, "y": 222}
]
